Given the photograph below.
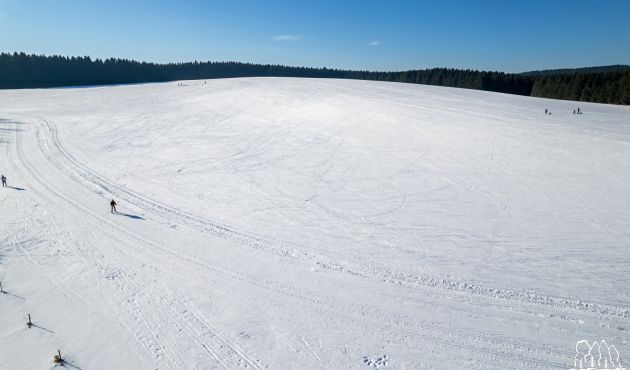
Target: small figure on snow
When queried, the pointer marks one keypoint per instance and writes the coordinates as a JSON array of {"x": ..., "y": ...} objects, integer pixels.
[
  {"x": 4, "y": 181},
  {"x": 113, "y": 205},
  {"x": 579, "y": 112},
  {"x": 546, "y": 111},
  {"x": 574, "y": 111}
]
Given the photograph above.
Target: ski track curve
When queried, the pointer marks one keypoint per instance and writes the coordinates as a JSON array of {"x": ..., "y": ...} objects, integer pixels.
[
  {"x": 285, "y": 249},
  {"x": 80, "y": 171}
]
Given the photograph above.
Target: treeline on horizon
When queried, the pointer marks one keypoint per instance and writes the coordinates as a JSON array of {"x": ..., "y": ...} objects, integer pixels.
[{"x": 19, "y": 70}]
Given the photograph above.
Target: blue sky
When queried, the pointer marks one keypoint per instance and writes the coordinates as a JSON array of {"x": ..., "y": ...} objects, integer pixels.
[{"x": 507, "y": 35}]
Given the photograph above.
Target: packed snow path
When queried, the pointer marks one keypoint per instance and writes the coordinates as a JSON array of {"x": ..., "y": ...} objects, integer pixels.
[{"x": 314, "y": 224}]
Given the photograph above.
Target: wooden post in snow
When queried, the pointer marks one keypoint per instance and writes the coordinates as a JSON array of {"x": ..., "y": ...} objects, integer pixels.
[{"x": 57, "y": 358}]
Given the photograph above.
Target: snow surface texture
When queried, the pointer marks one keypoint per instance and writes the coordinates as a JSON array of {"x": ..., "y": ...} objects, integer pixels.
[{"x": 310, "y": 224}]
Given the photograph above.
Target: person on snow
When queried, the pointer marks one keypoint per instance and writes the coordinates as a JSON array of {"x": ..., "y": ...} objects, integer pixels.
[
  {"x": 546, "y": 111},
  {"x": 4, "y": 181},
  {"x": 113, "y": 205}
]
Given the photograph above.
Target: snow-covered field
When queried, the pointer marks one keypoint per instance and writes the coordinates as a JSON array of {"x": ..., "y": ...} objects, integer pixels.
[{"x": 310, "y": 224}]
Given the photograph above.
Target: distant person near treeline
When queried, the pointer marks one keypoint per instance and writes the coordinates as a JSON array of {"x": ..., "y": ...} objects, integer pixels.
[{"x": 4, "y": 181}]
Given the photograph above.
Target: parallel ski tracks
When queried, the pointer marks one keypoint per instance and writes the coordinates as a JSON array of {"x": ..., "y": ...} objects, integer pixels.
[
  {"x": 131, "y": 289},
  {"x": 258, "y": 242}
]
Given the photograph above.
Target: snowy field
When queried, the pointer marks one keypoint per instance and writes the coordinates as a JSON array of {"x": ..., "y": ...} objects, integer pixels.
[{"x": 278, "y": 223}]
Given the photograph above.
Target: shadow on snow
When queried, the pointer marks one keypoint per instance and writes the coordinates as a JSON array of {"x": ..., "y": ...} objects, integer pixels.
[{"x": 135, "y": 217}]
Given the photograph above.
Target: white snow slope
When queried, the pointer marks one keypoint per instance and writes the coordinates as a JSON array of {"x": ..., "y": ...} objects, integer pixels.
[{"x": 310, "y": 224}]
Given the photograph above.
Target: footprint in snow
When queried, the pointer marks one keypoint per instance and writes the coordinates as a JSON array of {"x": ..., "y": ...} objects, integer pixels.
[{"x": 376, "y": 362}]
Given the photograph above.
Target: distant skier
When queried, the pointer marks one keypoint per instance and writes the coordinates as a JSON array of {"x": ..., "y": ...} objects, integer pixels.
[
  {"x": 113, "y": 205},
  {"x": 546, "y": 111},
  {"x": 574, "y": 111},
  {"x": 579, "y": 112},
  {"x": 4, "y": 181}
]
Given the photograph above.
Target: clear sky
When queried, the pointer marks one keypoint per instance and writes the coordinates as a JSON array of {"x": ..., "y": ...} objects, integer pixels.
[{"x": 506, "y": 35}]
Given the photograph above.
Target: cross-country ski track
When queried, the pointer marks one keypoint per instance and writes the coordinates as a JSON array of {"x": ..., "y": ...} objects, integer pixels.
[{"x": 250, "y": 236}]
